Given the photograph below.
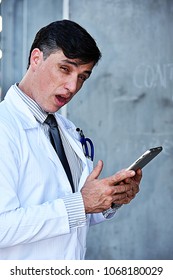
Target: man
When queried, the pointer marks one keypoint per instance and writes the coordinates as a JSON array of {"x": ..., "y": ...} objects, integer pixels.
[{"x": 43, "y": 213}]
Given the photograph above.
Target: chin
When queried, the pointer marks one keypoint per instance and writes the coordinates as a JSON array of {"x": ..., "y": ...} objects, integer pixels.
[
  {"x": 50, "y": 109},
  {"x": 53, "y": 110}
]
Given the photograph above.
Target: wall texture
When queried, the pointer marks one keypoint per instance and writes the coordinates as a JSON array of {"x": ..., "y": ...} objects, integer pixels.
[{"x": 126, "y": 107}]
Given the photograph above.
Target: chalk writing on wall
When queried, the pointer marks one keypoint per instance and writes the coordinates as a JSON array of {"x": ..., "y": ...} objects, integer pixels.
[{"x": 151, "y": 76}]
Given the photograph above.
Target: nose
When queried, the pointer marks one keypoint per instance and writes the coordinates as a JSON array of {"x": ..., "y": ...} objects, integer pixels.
[{"x": 71, "y": 85}]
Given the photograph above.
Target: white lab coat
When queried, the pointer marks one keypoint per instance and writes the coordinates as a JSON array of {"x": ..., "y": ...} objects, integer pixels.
[{"x": 33, "y": 217}]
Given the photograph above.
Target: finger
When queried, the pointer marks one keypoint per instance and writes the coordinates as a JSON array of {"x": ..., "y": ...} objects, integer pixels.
[
  {"x": 134, "y": 185},
  {"x": 124, "y": 201},
  {"x": 96, "y": 171},
  {"x": 137, "y": 178},
  {"x": 138, "y": 175},
  {"x": 131, "y": 194},
  {"x": 119, "y": 197},
  {"x": 120, "y": 176},
  {"x": 122, "y": 188}
]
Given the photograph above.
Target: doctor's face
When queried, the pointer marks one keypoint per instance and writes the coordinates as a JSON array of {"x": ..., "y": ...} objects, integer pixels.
[{"x": 55, "y": 80}]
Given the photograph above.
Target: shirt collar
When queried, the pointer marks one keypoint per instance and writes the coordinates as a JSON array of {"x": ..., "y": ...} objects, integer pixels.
[{"x": 36, "y": 110}]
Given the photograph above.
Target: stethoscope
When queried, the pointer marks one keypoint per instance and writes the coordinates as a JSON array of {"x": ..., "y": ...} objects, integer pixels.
[{"x": 87, "y": 145}]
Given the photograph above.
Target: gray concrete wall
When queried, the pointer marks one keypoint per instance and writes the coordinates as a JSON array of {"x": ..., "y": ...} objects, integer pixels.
[{"x": 126, "y": 107}]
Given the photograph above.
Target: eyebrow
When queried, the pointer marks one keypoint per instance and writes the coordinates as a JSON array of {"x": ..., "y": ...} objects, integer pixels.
[{"x": 76, "y": 65}]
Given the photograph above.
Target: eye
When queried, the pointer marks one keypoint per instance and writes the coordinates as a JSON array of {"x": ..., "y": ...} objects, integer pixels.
[
  {"x": 64, "y": 69},
  {"x": 83, "y": 78}
]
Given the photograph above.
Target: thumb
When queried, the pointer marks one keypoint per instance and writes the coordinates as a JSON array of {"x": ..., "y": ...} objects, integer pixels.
[{"x": 96, "y": 171}]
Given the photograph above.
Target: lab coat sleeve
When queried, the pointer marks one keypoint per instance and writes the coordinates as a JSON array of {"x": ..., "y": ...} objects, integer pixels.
[{"x": 27, "y": 224}]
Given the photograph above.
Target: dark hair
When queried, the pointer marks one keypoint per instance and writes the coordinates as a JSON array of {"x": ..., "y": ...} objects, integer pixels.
[{"x": 68, "y": 36}]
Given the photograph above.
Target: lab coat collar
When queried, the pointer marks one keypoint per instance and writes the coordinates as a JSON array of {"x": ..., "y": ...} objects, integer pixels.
[{"x": 20, "y": 108}]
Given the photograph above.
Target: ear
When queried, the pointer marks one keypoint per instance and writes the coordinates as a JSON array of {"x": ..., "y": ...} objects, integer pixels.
[{"x": 36, "y": 57}]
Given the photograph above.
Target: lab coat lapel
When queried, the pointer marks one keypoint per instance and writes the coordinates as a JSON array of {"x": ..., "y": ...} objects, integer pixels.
[{"x": 52, "y": 155}]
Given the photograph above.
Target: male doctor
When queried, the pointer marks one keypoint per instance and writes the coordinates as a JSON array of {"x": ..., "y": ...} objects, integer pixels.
[{"x": 42, "y": 214}]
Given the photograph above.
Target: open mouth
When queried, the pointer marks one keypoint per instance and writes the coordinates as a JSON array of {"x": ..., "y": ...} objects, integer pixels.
[{"x": 60, "y": 100}]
